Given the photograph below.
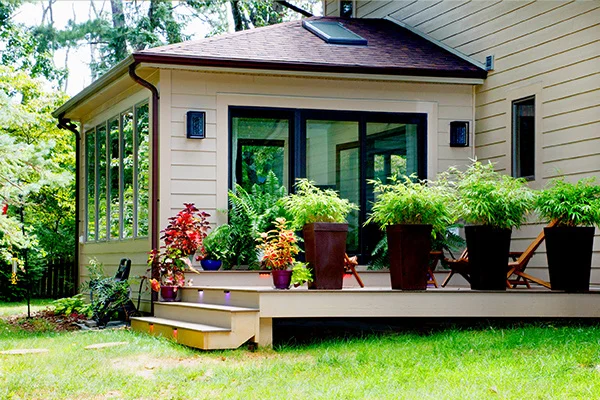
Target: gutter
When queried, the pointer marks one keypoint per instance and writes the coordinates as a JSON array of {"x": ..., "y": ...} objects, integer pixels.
[
  {"x": 64, "y": 123},
  {"x": 154, "y": 195}
]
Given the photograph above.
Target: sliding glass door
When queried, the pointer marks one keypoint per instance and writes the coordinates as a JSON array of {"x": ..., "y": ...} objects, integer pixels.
[{"x": 337, "y": 150}]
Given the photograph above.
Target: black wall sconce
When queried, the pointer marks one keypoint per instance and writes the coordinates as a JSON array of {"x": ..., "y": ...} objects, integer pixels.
[
  {"x": 196, "y": 124},
  {"x": 459, "y": 134}
]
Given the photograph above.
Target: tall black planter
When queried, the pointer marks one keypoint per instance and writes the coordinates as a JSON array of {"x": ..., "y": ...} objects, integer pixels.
[
  {"x": 569, "y": 251},
  {"x": 488, "y": 256},
  {"x": 409, "y": 247},
  {"x": 325, "y": 246}
]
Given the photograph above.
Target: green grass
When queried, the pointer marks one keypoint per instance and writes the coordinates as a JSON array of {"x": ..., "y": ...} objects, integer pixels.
[
  {"x": 16, "y": 308},
  {"x": 533, "y": 362}
]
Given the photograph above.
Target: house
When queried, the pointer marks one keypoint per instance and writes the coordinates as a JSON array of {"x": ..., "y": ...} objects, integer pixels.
[
  {"x": 537, "y": 115},
  {"x": 401, "y": 87}
]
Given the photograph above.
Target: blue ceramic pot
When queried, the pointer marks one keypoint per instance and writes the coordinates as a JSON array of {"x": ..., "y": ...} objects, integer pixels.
[{"x": 211, "y": 265}]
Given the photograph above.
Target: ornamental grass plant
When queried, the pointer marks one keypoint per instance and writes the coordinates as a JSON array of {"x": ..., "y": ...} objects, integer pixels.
[
  {"x": 311, "y": 204},
  {"x": 487, "y": 197},
  {"x": 411, "y": 201},
  {"x": 570, "y": 204}
]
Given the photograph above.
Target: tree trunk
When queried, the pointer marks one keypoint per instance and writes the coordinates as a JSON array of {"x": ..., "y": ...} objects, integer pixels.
[{"x": 118, "y": 20}]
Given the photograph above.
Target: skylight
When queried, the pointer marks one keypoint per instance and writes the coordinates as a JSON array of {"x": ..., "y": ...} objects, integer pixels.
[{"x": 334, "y": 32}]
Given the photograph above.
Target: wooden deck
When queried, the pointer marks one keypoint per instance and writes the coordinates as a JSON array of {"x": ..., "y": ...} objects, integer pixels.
[{"x": 229, "y": 315}]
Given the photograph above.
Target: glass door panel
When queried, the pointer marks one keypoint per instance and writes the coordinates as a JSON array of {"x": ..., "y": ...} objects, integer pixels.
[
  {"x": 260, "y": 146},
  {"x": 333, "y": 162}
]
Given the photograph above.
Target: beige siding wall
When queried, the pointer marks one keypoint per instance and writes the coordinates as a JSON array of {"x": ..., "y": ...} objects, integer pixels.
[
  {"x": 109, "y": 253},
  {"x": 199, "y": 168},
  {"x": 550, "y": 49}
]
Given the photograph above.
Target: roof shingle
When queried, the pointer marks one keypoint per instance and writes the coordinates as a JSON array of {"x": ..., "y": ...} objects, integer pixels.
[{"x": 391, "y": 49}]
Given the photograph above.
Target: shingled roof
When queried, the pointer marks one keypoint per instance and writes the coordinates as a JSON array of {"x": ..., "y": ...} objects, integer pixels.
[{"x": 391, "y": 50}]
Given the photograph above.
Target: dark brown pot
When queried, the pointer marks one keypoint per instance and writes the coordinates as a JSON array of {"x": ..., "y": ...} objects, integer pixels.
[
  {"x": 488, "y": 256},
  {"x": 281, "y": 278},
  {"x": 325, "y": 247},
  {"x": 569, "y": 252},
  {"x": 409, "y": 247}
]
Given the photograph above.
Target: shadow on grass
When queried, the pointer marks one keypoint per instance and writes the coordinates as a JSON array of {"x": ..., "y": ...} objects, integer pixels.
[{"x": 302, "y": 331}]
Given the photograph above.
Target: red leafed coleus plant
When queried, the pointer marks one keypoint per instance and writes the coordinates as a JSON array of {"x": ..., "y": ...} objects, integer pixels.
[
  {"x": 186, "y": 230},
  {"x": 183, "y": 236},
  {"x": 279, "y": 246}
]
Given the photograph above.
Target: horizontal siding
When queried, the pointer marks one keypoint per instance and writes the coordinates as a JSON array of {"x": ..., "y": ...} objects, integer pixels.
[{"x": 554, "y": 45}]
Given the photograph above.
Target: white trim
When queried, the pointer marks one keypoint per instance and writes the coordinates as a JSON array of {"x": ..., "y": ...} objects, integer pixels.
[
  {"x": 437, "y": 42},
  {"x": 328, "y": 75}
]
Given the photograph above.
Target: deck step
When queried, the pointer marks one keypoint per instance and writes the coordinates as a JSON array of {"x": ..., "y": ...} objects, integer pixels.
[
  {"x": 200, "y": 336},
  {"x": 204, "y": 306},
  {"x": 180, "y": 324}
]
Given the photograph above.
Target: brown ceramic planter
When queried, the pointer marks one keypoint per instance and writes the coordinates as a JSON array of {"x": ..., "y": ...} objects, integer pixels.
[
  {"x": 569, "y": 252},
  {"x": 325, "y": 246},
  {"x": 488, "y": 256},
  {"x": 409, "y": 247}
]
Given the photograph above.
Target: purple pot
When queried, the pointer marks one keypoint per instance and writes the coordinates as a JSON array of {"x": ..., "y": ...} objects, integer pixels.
[
  {"x": 281, "y": 278},
  {"x": 211, "y": 265},
  {"x": 169, "y": 293}
]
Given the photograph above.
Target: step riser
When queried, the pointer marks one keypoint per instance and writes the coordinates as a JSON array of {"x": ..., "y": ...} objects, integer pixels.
[
  {"x": 220, "y": 297},
  {"x": 196, "y": 339},
  {"x": 219, "y": 318}
]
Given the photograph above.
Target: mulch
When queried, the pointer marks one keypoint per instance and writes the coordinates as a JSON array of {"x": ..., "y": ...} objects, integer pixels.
[{"x": 46, "y": 320}]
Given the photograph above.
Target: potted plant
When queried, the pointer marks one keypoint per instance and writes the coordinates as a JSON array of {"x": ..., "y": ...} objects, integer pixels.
[
  {"x": 569, "y": 244},
  {"x": 183, "y": 236},
  {"x": 301, "y": 274},
  {"x": 216, "y": 248},
  {"x": 491, "y": 204},
  {"x": 170, "y": 265},
  {"x": 279, "y": 246},
  {"x": 321, "y": 214},
  {"x": 410, "y": 211}
]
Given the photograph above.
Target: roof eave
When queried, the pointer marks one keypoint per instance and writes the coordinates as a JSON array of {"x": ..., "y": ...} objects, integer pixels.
[
  {"x": 111, "y": 75},
  {"x": 153, "y": 58}
]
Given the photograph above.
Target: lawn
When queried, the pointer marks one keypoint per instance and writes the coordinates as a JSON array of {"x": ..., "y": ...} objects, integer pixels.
[{"x": 537, "y": 362}]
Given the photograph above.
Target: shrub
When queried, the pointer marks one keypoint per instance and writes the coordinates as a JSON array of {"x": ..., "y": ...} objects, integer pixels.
[
  {"x": 411, "y": 202},
  {"x": 486, "y": 197},
  {"x": 310, "y": 204},
  {"x": 570, "y": 204},
  {"x": 70, "y": 305}
]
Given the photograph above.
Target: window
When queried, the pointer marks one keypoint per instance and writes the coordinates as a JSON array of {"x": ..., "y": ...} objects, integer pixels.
[
  {"x": 523, "y": 138},
  {"x": 334, "y": 33},
  {"x": 336, "y": 149},
  {"x": 346, "y": 7},
  {"x": 116, "y": 176}
]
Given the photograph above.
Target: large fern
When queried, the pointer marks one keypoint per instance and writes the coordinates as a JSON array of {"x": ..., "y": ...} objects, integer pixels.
[{"x": 252, "y": 213}]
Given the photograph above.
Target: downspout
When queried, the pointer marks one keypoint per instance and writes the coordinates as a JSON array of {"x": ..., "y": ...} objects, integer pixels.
[
  {"x": 65, "y": 123},
  {"x": 154, "y": 196}
]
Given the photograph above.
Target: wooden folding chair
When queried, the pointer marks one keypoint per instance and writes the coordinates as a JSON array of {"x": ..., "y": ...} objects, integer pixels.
[
  {"x": 458, "y": 266},
  {"x": 350, "y": 264},
  {"x": 518, "y": 265}
]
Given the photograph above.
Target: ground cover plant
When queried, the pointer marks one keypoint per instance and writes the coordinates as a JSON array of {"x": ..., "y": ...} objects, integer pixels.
[{"x": 531, "y": 361}]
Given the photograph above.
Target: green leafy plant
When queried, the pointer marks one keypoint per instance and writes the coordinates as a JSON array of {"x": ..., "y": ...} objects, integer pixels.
[
  {"x": 107, "y": 295},
  {"x": 310, "y": 204},
  {"x": 486, "y": 197},
  {"x": 251, "y": 213},
  {"x": 301, "y": 274},
  {"x": 217, "y": 245},
  {"x": 570, "y": 204},
  {"x": 411, "y": 202},
  {"x": 70, "y": 305}
]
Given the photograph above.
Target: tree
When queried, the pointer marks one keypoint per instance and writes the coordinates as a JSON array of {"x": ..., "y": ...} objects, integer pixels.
[{"x": 36, "y": 174}]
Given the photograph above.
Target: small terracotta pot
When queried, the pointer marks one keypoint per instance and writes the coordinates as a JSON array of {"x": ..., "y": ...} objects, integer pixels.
[{"x": 281, "y": 278}]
